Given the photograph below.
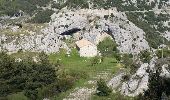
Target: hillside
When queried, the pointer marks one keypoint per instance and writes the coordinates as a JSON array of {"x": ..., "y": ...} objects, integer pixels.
[{"x": 125, "y": 53}]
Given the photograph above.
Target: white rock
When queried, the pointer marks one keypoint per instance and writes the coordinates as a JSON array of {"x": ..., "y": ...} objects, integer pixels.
[{"x": 165, "y": 72}]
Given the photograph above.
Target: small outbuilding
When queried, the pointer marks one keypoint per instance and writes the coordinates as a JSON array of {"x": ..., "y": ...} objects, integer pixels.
[{"x": 86, "y": 48}]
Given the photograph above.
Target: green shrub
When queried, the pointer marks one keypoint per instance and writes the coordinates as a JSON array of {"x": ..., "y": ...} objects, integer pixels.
[
  {"x": 158, "y": 87},
  {"x": 145, "y": 56},
  {"x": 102, "y": 88},
  {"x": 63, "y": 84},
  {"x": 130, "y": 63},
  {"x": 25, "y": 76},
  {"x": 126, "y": 77},
  {"x": 77, "y": 4},
  {"x": 106, "y": 17},
  {"x": 127, "y": 60}
]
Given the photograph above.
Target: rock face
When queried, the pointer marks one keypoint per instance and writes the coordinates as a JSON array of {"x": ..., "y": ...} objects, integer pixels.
[
  {"x": 166, "y": 35},
  {"x": 91, "y": 24},
  {"x": 94, "y": 23},
  {"x": 48, "y": 43},
  {"x": 135, "y": 85},
  {"x": 138, "y": 82}
]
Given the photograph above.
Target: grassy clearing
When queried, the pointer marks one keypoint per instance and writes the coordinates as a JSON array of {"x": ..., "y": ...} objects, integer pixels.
[{"x": 76, "y": 64}]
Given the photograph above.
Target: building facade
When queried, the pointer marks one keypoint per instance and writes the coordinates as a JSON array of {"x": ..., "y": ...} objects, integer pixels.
[{"x": 86, "y": 48}]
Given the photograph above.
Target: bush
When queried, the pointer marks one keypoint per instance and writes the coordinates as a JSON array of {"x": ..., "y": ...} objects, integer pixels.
[
  {"x": 127, "y": 60},
  {"x": 145, "y": 56},
  {"x": 102, "y": 88},
  {"x": 77, "y": 4},
  {"x": 25, "y": 76},
  {"x": 63, "y": 84},
  {"x": 159, "y": 85}
]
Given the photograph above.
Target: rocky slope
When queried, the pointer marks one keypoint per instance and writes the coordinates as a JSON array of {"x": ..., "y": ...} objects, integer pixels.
[
  {"x": 30, "y": 40},
  {"x": 91, "y": 24},
  {"x": 135, "y": 25},
  {"x": 139, "y": 81},
  {"x": 94, "y": 23}
]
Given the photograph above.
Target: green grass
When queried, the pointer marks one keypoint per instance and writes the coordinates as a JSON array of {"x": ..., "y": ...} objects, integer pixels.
[
  {"x": 80, "y": 64},
  {"x": 74, "y": 62},
  {"x": 77, "y": 64}
]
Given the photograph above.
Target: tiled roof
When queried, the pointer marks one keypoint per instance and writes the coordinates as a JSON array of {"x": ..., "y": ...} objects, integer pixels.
[{"x": 83, "y": 42}]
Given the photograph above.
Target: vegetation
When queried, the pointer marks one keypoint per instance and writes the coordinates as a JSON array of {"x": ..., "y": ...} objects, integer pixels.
[
  {"x": 108, "y": 48},
  {"x": 73, "y": 70},
  {"x": 158, "y": 87},
  {"x": 12, "y": 7},
  {"x": 34, "y": 80},
  {"x": 147, "y": 22},
  {"x": 102, "y": 88},
  {"x": 130, "y": 6},
  {"x": 42, "y": 16},
  {"x": 129, "y": 62},
  {"x": 145, "y": 56},
  {"x": 55, "y": 74}
]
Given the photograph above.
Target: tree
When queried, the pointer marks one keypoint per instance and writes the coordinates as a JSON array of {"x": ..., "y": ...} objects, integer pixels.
[{"x": 25, "y": 76}]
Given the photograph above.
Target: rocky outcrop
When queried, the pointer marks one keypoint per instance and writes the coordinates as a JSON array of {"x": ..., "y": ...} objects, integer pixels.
[
  {"x": 48, "y": 43},
  {"x": 138, "y": 82},
  {"x": 94, "y": 23}
]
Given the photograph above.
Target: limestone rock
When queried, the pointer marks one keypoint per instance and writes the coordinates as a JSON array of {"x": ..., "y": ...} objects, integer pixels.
[
  {"x": 138, "y": 82},
  {"x": 94, "y": 23}
]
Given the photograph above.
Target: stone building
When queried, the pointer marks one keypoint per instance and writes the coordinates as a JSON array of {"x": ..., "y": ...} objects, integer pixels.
[{"x": 86, "y": 48}]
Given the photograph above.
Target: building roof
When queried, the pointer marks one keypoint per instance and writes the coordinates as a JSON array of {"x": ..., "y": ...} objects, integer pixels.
[{"x": 83, "y": 42}]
